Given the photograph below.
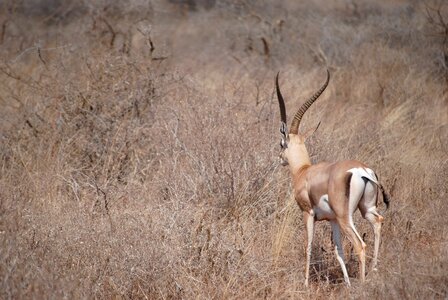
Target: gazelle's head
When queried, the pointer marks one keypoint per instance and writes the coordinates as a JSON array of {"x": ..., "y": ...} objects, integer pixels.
[{"x": 293, "y": 151}]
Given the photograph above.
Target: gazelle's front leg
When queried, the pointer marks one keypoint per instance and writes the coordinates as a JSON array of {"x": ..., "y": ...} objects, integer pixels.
[{"x": 308, "y": 217}]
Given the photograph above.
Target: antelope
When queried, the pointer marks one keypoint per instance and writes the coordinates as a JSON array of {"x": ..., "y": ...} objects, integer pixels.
[{"x": 330, "y": 191}]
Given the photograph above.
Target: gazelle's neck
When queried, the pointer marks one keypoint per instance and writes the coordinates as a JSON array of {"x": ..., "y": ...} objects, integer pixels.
[{"x": 298, "y": 158}]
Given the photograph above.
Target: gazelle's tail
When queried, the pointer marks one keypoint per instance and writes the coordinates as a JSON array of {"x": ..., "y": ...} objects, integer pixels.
[
  {"x": 368, "y": 174},
  {"x": 386, "y": 198}
]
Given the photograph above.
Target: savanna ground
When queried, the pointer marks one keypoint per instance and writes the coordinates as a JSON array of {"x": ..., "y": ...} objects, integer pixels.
[{"x": 139, "y": 144}]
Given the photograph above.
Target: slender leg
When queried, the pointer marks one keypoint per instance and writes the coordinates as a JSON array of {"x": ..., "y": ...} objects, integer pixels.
[
  {"x": 375, "y": 220},
  {"x": 308, "y": 217},
  {"x": 361, "y": 250},
  {"x": 367, "y": 206},
  {"x": 357, "y": 189},
  {"x": 359, "y": 245},
  {"x": 338, "y": 249}
]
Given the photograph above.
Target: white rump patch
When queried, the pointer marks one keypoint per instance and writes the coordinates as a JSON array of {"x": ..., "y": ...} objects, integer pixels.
[
  {"x": 323, "y": 210},
  {"x": 364, "y": 172}
]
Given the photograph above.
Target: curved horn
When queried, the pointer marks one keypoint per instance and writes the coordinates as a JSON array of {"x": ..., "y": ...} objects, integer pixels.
[
  {"x": 281, "y": 102},
  {"x": 299, "y": 114}
]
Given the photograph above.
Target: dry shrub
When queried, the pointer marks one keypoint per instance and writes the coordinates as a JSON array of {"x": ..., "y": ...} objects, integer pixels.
[{"x": 139, "y": 141}]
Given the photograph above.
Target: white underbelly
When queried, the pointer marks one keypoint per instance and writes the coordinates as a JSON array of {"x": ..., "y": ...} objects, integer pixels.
[{"x": 323, "y": 211}]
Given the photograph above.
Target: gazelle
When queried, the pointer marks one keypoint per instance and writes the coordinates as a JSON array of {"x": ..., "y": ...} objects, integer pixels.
[{"x": 330, "y": 191}]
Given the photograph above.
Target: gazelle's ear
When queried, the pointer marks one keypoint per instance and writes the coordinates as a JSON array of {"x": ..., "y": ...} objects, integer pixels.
[
  {"x": 284, "y": 130},
  {"x": 311, "y": 131},
  {"x": 285, "y": 137}
]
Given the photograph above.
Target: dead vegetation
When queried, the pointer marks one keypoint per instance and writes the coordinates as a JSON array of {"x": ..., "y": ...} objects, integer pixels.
[{"x": 139, "y": 145}]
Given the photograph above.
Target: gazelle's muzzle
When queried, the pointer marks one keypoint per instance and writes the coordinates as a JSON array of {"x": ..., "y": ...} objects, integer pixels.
[{"x": 283, "y": 160}]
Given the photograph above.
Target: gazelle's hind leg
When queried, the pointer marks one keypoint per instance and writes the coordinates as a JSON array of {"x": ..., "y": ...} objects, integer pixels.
[
  {"x": 375, "y": 220},
  {"x": 358, "y": 245},
  {"x": 357, "y": 187},
  {"x": 367, "y": 206}
]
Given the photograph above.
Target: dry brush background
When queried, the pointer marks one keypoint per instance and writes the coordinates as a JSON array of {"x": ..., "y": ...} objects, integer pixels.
[{"x": 139, "y": 142}]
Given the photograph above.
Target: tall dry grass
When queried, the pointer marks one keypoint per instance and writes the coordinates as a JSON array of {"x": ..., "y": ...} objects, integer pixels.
[{"x": 139, "y": 146}]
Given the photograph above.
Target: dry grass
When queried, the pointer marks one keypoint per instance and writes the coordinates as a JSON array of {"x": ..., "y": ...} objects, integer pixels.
[{"x": 139, "y": 145}]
